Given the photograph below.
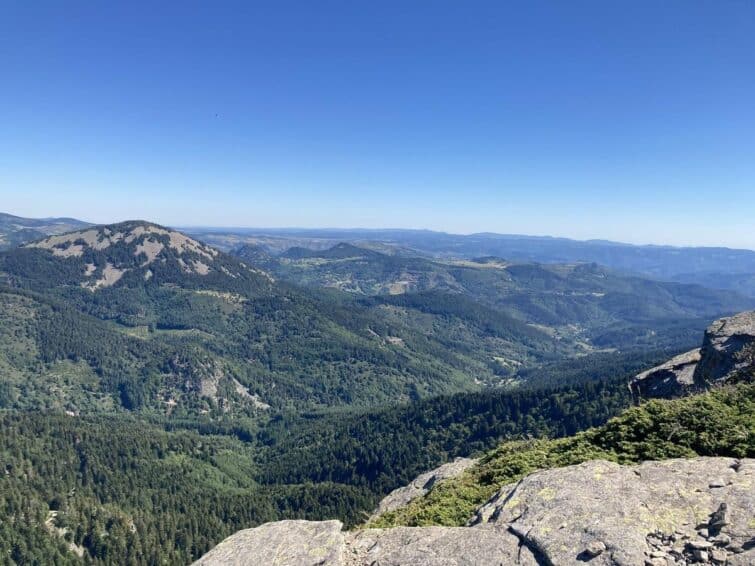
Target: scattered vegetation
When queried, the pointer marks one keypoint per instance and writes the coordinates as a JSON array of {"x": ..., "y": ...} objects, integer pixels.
[{"x": 719, "y": 423}]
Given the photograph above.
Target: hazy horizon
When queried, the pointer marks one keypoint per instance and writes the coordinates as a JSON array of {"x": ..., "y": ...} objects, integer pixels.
[{"x": 283, "y": 229}]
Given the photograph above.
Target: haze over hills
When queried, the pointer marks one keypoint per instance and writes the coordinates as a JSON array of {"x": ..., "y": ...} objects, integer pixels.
[
  {"x": 579, "y": 301},
  {"x": 722, "y": 268}
]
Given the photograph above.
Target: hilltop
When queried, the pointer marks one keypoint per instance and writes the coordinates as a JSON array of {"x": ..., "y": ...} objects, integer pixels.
[{"x": 126, "y": 254}]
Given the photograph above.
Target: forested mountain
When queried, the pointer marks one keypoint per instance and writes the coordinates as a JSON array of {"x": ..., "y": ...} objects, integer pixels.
[
  {"x": 15, "y": 230},
  {"x": 136, "y": 316},
  {"x": 139, "y": 317},
  {"x": 577, "y": 301}
]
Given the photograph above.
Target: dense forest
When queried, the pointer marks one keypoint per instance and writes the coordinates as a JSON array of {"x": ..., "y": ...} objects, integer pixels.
[{"x": 119, "y": 490}]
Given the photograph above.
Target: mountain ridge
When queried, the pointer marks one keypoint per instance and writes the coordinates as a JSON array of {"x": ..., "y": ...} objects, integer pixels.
[{"x": 716, "y": 267}]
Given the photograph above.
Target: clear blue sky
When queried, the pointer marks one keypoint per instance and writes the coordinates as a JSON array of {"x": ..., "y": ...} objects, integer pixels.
[{"x": 631, "y": 120}]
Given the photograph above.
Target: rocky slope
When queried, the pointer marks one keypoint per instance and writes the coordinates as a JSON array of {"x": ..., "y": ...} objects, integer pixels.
[
  {"x": 728, "y": 349},
  {"x": 679, "y": 511}
]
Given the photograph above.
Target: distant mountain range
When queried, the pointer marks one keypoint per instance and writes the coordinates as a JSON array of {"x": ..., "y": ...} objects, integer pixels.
[
  {"x": 574, "y": 301},
  {"x": 720, "y": 268},
  {"x": 15, "y": 230}
]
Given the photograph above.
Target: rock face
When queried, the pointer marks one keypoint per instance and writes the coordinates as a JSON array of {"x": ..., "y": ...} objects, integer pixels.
[
  {"x": 421, "y": 486},
  {"x": 674, "y": 512},
  {"x": 728, "y": 350},
  {"x": 672, "y": 379}
]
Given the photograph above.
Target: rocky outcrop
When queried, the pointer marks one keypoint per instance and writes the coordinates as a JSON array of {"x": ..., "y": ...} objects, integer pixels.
[
  {"x": 673, "y": 379},
  {"x": 728, "y": 348},
  {"x": 421, "y": 486},
  {"x": 300, "y": 543},
  {"x": 727, "y": 351},
  {"x": 621, "y": 515},
  {"x": 668, "y": 513},
  {"x": 445, "y": 546}
]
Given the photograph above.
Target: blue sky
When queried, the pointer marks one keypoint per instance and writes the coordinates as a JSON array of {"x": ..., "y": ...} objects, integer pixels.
[{"x": 632, "y": 121}]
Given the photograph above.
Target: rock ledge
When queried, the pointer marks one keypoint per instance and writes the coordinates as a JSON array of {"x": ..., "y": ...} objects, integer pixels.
[{"x": 669, "y": 513}]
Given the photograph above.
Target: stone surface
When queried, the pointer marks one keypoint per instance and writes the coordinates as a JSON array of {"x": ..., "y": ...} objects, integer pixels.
[
  {"x": 421, "y": 486},
  {"x": 284, "y": 543},
  {"x": 728, "y": 348},
  {"x": 636, "y": 514},
  {"x": 745, "y": 559},
  {"x": 558, "y": 513},
  {"x": 595, "y": 548},
  {"x": 436, "y": 546}
]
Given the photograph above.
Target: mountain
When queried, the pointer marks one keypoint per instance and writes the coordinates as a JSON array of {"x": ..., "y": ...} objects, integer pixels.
[
  {"x": 578, "y": 301},
  {"x": 158, "y": 394},
  {"x": 722, "y": 268},
  {"x": 15, "y": 230},
  {"x": 141, "y": 317},
  {"x": 128, "y": 254}
]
